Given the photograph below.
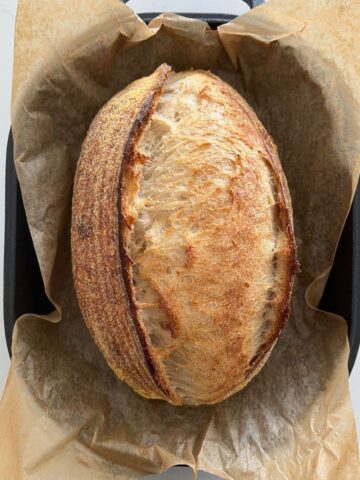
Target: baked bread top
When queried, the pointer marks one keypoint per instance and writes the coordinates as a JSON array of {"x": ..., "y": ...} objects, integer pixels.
[{"x": 182, "y": 237}]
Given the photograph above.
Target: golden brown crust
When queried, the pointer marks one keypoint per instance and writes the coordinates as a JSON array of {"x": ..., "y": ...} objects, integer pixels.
[
  {"x": 155, "y": 329},
  {"x": 212, "y": 366}
]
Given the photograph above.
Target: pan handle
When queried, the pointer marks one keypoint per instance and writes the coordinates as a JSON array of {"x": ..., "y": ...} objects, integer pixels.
[{"x": 250, "y": 3}]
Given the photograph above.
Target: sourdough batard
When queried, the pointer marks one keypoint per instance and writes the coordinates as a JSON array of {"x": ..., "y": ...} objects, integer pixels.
[{"x": 182, "y": 237}]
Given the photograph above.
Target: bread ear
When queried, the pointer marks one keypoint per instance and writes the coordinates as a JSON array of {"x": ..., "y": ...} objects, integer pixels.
[{"x": 98, "y": 260}]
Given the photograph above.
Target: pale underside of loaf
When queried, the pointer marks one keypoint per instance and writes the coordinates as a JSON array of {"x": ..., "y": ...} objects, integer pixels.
[{"x": 208, "y": 247}]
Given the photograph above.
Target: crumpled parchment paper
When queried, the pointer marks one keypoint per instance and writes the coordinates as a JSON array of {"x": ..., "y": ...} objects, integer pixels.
[{"x": 64, "y": 415}]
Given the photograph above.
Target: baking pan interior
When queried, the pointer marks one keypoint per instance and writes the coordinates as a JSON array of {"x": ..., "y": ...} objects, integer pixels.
[{"x": 23, "y": 286}]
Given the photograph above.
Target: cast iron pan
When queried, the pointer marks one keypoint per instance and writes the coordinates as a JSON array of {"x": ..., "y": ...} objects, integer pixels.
[{"x": 24, "y": 289}]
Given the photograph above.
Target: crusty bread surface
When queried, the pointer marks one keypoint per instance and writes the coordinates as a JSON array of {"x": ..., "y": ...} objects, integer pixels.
[{"x": 182, "y": 237}]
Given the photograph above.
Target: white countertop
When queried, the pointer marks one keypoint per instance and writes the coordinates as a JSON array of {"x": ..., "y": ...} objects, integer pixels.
[{"x": 7, "y": 20}]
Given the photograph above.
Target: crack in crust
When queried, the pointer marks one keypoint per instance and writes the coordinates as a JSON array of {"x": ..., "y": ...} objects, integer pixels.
[
  {"x": 97, "y": 259},
  {"x": 128, "y": 160}
]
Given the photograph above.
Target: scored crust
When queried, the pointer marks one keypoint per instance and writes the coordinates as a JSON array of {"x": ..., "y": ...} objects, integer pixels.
[
  {"x": 182, "y": 237},
  {"x": 96, "y": 257}
]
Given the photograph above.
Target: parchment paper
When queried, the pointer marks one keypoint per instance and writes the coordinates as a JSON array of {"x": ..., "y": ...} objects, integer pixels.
[{"x": 64, "y": 415}]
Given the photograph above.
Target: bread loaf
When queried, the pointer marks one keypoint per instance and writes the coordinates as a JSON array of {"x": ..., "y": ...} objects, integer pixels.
[{"x": 183, "y": 248}]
